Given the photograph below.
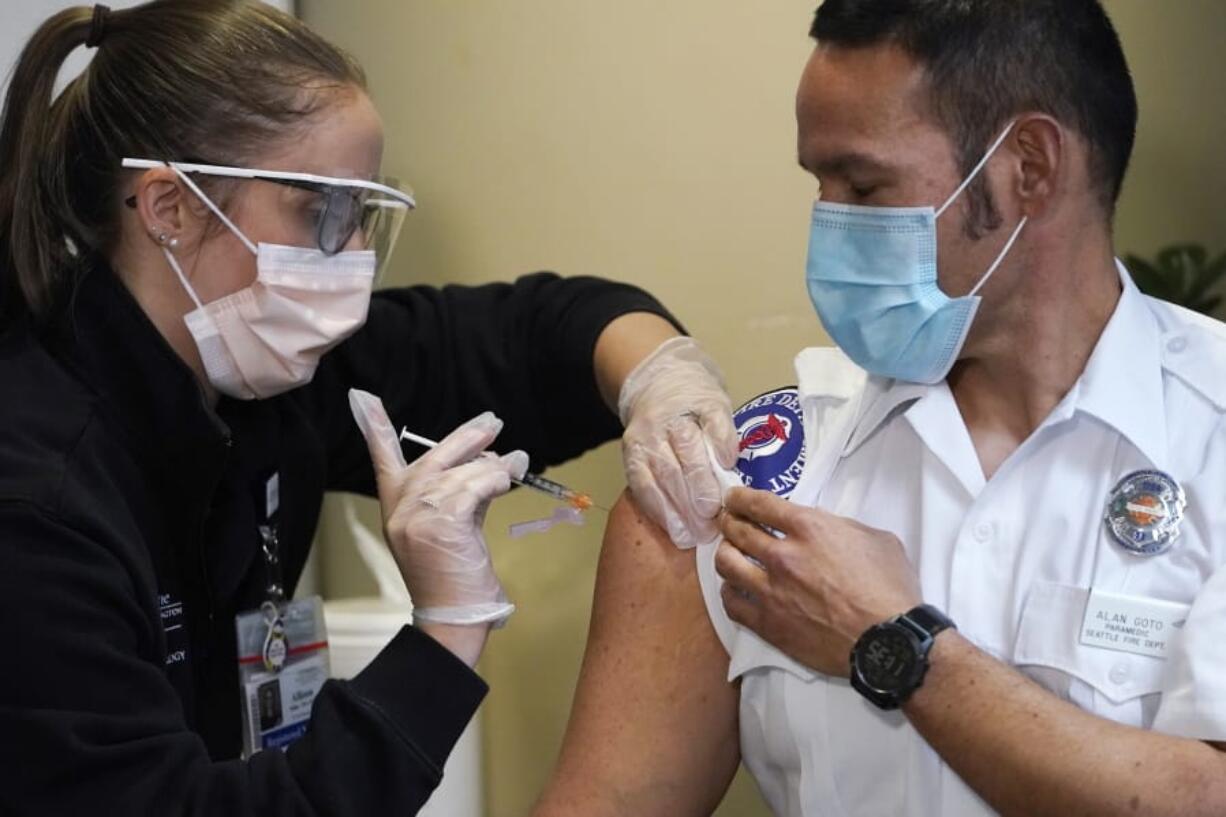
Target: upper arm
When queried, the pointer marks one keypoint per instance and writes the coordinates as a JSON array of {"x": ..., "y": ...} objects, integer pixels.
[
  {"x": 653, "y": 728},
  {"x": 440, "y": 356}
]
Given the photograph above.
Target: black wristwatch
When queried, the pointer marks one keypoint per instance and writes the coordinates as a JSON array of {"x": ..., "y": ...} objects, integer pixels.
[{"x": 890, "y": 660}]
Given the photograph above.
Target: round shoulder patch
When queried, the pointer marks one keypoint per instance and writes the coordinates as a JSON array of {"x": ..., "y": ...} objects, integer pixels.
[{"x": 772, "y": 431}]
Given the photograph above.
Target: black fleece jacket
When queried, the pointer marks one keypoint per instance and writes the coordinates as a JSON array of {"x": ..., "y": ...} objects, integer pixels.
[{"x": 123, "y": 495}]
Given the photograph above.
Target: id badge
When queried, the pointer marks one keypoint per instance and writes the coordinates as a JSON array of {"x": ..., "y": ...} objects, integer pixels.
[
  {"x": 1134, "y": 624},
  {"x": 282, "y": 664}
]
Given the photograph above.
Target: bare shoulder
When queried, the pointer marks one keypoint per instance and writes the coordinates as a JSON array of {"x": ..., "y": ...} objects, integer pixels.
[
  {"x": 641, "y": 567},
  {"x": 648, "y": 603},
  {"x": 653, "y": 727}
]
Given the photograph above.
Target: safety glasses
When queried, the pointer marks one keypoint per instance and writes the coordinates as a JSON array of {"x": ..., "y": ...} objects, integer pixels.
[{"x": 337, "y": 207}]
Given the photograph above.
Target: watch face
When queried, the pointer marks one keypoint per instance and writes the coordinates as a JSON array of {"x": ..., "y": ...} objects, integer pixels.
[{"x": 887, "y": 660}]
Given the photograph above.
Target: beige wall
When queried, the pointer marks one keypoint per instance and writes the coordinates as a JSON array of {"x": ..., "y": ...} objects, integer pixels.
[
  {"x": 1175, "y": 188},
  {"x": 654, "y": 142}
]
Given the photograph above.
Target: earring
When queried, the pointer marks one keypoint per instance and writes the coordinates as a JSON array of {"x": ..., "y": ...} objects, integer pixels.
[
  {"x": 174, "y": 243},
  {"x": 161, "y": 238}
]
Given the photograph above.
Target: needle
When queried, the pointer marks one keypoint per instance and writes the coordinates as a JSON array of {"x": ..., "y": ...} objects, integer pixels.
[{"x": 576, "y": 499}]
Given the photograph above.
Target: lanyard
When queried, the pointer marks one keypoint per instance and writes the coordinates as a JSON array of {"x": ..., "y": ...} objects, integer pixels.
[
  {"x": 268, "y": 498},
  {"x": 275, "y": 647},
  {"x": 270, "y": 544}
]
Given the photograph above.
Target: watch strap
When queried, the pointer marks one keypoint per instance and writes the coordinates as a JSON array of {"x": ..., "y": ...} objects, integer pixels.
[{"x": 928, "y": 619}]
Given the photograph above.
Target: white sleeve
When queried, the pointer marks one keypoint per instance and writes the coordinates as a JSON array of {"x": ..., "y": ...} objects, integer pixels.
[
  {"x": 710, "y": 583},
  {"x": 708, "y": 579},
  {"x": 1193, "y": 703},
  {"x": 746, "y": 650}
]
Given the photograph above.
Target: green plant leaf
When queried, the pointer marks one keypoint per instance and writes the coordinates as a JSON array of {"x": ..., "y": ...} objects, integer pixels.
[
  {"x": 1182, "y": 274},
  {"x": 1182, "y": 256},
  {"x": 1206, "y": 278},
  {"x": 1209, "y": 305},
  {"x": 1173, "y": 261},
  {"x": 1147, "y": 277}
]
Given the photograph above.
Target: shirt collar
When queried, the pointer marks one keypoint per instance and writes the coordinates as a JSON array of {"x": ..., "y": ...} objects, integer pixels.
[
  {"x": 826, "y": 373},
  {"x": 883, "y": 398},
  {"x": 1121, "y": 385},
  {"x": 1122, "y": 382}
]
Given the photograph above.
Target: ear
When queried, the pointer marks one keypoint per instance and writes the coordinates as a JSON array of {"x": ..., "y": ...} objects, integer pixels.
[
  {"x": 167, "y": 209},
  {"x": 1042, "y": 144},
  {"x": 159, "y": 201}
]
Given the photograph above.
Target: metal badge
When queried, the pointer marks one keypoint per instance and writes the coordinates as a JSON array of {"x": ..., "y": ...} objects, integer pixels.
[{"x": 1145, "y": 511}]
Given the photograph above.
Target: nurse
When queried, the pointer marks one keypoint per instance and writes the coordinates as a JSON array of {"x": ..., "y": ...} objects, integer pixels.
[{"x": 189, "y": 236}]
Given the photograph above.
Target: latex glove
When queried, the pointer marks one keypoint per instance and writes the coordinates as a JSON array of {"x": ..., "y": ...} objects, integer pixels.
[
  {"x": 677, "y": 416},
  {"x": 433, "y": 511}
]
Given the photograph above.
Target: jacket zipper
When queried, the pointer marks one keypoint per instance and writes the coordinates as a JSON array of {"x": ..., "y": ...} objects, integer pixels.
[{"x": 205, "y": 580}]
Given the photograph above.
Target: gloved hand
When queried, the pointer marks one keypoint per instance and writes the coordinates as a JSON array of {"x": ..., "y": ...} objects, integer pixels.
[
  {"x": 433, "y": 511},
  {"x": 674, "y": 408}
]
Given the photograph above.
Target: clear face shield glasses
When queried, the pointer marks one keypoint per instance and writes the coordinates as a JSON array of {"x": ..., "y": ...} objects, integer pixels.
[{"x": 330, "y": 211}]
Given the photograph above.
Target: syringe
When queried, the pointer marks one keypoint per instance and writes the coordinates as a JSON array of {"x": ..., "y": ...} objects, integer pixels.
[{"x": 576, "y": 499}]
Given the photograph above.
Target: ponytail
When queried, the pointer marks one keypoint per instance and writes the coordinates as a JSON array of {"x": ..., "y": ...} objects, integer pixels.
[
  {"x": 34, "y": 253},
  {"x": 171, "y": 79}
]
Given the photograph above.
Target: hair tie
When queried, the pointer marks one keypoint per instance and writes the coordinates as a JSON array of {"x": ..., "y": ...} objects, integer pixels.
[{"x": 98, "y": 26}]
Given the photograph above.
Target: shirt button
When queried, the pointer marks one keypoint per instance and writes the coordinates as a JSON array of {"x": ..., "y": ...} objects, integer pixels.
[
  {"x": 984, "y": 531},
  {"x": 1176, "y": 345},
  {"x": 1120, "y": 674}
]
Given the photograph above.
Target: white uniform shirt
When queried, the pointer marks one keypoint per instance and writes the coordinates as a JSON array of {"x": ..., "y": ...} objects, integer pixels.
[{"x": 1010, "y": 560}]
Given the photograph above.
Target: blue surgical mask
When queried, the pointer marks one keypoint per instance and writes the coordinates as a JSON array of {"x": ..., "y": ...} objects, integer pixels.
[{"x": 872, "y": 277}]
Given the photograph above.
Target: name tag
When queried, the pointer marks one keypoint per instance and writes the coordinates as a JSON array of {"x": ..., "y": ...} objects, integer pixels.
[
  {"x": 282, "y": 665},
  {"x": 1131, "y": 623}
]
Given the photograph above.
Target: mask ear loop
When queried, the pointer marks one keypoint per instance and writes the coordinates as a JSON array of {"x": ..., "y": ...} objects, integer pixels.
[
  {"x": 174, "y": 262},
  {"x": 216, "y": 210},
  {"x": 1008, "y": 246},
  {"x": 988, "y": 154},
  {"x": 174, "y": 265},
  {"x": 975, "y": 172}
]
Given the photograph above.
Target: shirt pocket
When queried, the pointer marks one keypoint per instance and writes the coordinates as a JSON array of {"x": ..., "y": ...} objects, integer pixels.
[{"x": 1119, "y": 686}]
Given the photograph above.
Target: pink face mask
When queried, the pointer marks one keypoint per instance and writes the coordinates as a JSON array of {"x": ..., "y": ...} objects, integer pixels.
[{"x": 268, "y": 338}]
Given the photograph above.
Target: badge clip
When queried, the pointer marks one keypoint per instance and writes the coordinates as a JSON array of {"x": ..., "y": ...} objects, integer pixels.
[{"x": 276, "y": 644}]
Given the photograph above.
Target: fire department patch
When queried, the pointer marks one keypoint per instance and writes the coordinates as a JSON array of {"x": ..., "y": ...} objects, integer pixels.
[{"x": 771, "y": 428}]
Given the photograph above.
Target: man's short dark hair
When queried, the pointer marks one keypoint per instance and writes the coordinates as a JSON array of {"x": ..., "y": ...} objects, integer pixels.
[{"x": 990, "y": 60}]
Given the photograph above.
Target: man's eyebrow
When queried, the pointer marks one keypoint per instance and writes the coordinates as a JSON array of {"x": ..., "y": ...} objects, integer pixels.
[{"x": 843, "y": 163}]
